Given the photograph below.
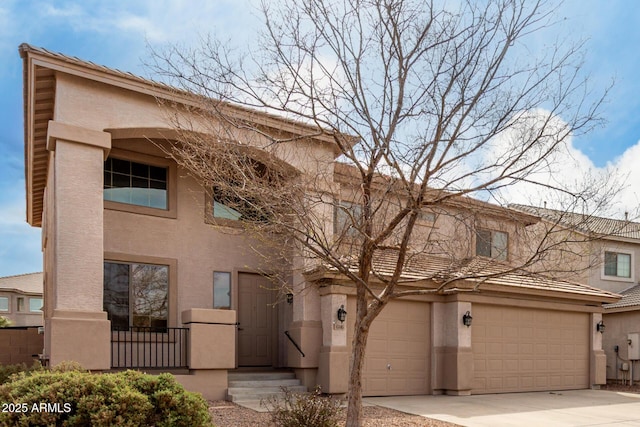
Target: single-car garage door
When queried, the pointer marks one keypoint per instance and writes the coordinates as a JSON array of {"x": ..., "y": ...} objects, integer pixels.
[
  {"x": 524, "y": 349},
  {"x": 397, "y": 355}
]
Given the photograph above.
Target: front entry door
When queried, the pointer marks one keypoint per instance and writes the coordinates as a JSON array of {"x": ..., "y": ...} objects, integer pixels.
[{"x": 256, "y": 317}]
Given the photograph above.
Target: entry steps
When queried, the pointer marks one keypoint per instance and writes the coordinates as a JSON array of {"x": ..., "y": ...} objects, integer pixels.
[{"x": 254, "y": 386}]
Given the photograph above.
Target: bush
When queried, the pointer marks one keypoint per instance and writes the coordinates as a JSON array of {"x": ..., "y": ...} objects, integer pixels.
[
  {"x": 303, "y": 410},
  {"x": 6, "y": 371},
  {"x": 67, "y": 396},
  {"x": 4, "y": 322}
]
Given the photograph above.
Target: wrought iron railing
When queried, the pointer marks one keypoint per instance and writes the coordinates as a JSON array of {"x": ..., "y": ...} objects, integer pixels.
[{"x": 151, "y": 348}]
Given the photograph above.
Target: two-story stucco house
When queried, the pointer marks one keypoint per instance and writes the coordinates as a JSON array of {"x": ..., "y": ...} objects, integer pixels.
[
  {"x": 610, "y": 257},
  {"x": 142, "y": 270}
]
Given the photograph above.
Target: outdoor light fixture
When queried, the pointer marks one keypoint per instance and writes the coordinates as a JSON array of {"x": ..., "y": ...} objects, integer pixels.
[
  {"x": 342, "y": 314},
  {"x": 466, "y": 319},
  {"x": 600, "y": 327},
  {"x": 289, "y": 298}
]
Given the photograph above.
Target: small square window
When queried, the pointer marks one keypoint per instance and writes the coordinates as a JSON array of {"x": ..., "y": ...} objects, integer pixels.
[
  {"x": 221, "y": 290},
  {"x": 346, "y": 217},
  {"x": 4, "y": 304},
  {"x": 492, "y": 244},
  {"x": 617, "y": 265}
]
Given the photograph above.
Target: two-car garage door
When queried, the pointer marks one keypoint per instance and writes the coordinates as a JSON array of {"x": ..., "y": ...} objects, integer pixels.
[{"x": 524, "y": 349}]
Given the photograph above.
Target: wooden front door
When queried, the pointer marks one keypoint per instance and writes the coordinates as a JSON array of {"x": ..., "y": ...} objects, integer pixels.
[{"x": 257, "y": 320}]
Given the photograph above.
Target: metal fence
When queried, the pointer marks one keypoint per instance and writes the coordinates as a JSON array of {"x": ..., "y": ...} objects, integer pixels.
[{"x": 152, "y": 348}]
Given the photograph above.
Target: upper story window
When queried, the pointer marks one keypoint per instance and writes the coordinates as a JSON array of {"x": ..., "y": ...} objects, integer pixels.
[
  {"x": 135, "y": 183},
  {"x": 4, "y": 303},
  {"x": 345, "y": 218},
  {"x": 35, "y": 305},
  {"x": 229, "y": 206},
  {"x": 617, "y": 265},
  {"x": 136, "y": 294},
  {"x": 492, "y": 244}
]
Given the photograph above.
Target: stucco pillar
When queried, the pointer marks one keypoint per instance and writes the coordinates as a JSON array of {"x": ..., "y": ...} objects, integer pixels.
[
  {"x": 78, "y": 328},
  {"x": 333, "y": 370},
  {"x": 452, "y": 359},
  {"x": 598, "y": 358}
]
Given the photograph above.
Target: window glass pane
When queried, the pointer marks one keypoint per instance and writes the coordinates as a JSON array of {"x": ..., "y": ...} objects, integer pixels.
[
  {"x": 483, "y": 243},
  {"x": 20, "y": 303},
  {"x": 499, "y": 245},
  {"x": 116, "y": 294},
  {"x": 150, "y": 286},
  {"x": 35, "y": 304},
  {"x": 221, "y": 289},
  {"x": 4, "y": 303},
  {"x": 132, "y": 183},
  {"x": 624, "y": 265},
  {"x": 222, "y": 211},
  {"x": 346, "y": 216},
  {"x": 610, "y": 264}
]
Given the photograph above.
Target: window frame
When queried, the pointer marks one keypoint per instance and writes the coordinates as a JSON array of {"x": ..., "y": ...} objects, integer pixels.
[
  {"x": 171, "y": 263},
  {"x": 491, "y": 244},
  {"x": 131, "y": 156},
  {"x": 20, "y": 305},
  {"x": 41, "y": 304},
  {"x": 340, "y": 207},
  {"x": 230, "y": 278},
  {"x": 8, "y": 298},
  {"x": 617, "y": 278}
]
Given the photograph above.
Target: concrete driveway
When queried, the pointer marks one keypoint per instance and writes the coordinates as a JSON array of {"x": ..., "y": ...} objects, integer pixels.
[{"x": 559, "y": 408}]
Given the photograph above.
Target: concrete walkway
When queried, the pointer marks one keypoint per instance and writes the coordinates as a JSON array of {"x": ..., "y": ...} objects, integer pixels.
[{"x": 560, "y": 408}]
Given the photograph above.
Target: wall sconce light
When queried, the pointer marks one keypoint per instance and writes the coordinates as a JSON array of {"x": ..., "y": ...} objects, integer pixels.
[
  {"x": 600, "y": 327},
  {"x": 289, "y": 298},
  {"x": 342, "y": 314},
  {"x": 466, "y": 319}
]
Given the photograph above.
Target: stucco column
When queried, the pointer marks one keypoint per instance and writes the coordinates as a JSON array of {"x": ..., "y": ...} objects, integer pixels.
[
  {"x": 452, "y": 358},
  {"x": 78, "y": 328},
  {"x": 333, "y": 370},
  {"x": 598, "y": 358}
]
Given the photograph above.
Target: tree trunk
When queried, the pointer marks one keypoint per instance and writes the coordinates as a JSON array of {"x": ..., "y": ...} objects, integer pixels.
[{"x": 354, "y": 404}]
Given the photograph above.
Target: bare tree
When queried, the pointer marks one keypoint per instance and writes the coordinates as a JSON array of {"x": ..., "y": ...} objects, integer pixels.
[{"x": 426, "y": 103}]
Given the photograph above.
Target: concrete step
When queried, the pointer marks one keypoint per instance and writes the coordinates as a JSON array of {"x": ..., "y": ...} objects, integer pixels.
[
  {"x": 260, "y": 376},
  {"x": 264, "y": 383},
  {"x": 256, "y": 386}
]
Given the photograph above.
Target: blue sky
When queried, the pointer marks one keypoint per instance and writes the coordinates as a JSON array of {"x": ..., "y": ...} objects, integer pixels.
[{"x": 116, "y": 34}]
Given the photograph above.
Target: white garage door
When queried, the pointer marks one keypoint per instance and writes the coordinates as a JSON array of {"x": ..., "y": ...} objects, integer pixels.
[
  {"x": 397, "y": 355},
  {"x": 523, "y": 349}
]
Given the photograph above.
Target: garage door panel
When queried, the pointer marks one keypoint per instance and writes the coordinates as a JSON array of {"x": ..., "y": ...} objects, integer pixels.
[
  {"x": 398, "y": 349},
  {"x": 522, "y": 349}
]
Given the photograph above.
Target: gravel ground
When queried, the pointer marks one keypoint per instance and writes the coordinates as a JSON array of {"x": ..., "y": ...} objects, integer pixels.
[
  {"x": 635, "y": 388},
  {"x": 227, "y": 414}
]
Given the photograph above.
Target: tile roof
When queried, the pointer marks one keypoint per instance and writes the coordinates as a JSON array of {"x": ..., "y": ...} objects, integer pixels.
[
  {"x": 586, "y": 223},
  {"x": 476, "y": 271},
  {"x": 28, "y": 283},
  {"x": 630, "y": 298}
]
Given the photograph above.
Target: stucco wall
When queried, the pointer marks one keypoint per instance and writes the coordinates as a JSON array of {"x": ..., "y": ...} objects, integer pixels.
[{"x": 618, "y": 326}]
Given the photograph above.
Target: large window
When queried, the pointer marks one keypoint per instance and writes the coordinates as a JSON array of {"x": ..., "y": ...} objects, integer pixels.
[
  {"x": 135, "y": 183},
  {"x": 617, "y": 265},
  {"x": 492, "y": 244},
  {"x": 4, "y": 303},
  {"x": 136, "y": 294}
]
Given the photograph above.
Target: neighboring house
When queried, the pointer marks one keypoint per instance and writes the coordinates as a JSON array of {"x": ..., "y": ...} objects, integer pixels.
[
  {"x": 21, "y": 299},
  {"x": 136, "y": 276},
  {"x": 612, "y": 247}
]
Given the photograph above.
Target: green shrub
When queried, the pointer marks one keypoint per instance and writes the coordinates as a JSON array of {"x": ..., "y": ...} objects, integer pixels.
[
  {"x": 4, "y": 322},
  {"x": 6, "y": 371},
  {"x": 303, "y": 410},
  {"x": 78, "y": 398}
]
